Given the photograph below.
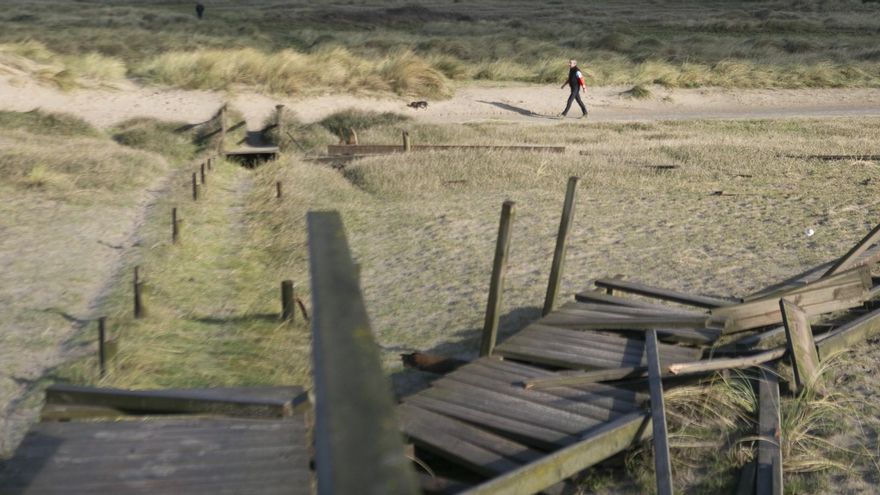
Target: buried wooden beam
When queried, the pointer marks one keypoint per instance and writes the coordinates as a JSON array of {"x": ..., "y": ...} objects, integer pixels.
[
  {"x": 358, "y": 447},
  {"x": 852, "y": 255},
  {"x": 663, "y": 294},
  {"x": 769, "y": 468},
  {"x": 596, "y": 446},
  {"x": 662, "y": 466},
  {"x": 559, "y": 252},
  {"x": 802, "y": 349},
  {"x": 496, "y": 283}
]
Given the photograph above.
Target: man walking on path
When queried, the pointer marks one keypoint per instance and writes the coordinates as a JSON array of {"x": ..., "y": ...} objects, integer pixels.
[{"x": 576, "y": 82}]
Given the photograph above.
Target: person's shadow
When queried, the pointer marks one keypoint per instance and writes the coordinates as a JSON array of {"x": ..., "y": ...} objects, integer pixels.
[{"x": 511, "y": 108}]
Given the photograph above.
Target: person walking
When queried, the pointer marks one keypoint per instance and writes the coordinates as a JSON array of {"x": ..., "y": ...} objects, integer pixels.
[{"x": 576, "y": 82}]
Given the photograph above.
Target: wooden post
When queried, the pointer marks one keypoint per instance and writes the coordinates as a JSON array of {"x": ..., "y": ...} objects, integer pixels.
[
  {"x": 407, "y": 146},
  {"x": 210, "y": 164},
  {"x": 769, "y": 472},
  {"x": 222, "y": 144},
  {"x": 662, "y": 466},
  {"x": 278, "y": 189},
  {"x": 288, "y": 309},
  {"x": 496, "y": 283},
  {"x": 138, "y": 302},
  {"x": 801, "y": 347},
  {"x": 559, "y": 253},
  {"x": 358, "y": 447},
  {"x": 175, "y": 229},
  {"x": 101, "y": 351},
  {"x": 195, "y": 187},
  {"x": 202, "y": 172},
  {"x": 279, "y": 120}
]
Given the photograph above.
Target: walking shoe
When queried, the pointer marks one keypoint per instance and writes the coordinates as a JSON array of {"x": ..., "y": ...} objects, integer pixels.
[
  {"x": 584, "y": 115},
  {"x": 560, "y": 116}
]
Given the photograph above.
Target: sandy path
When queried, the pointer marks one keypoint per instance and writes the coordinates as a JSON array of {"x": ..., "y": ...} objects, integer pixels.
[{"x": 509, "y": 103}]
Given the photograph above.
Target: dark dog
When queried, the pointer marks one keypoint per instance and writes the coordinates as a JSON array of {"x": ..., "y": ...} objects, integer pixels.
[{"x": 418, "y": 104}]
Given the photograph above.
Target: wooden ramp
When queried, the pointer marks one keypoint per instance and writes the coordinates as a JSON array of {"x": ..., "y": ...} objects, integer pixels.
[
  {"x": 482, "y": 418},
  {"x": 264, "y": 450}
]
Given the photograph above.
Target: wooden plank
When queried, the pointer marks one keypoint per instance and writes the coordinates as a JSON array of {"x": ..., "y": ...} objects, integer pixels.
[
  {"x": 846, "y": 336},
  {"x": 845, "y": 290},
  {"x": 599, "y": 321},
  {"x": 496, "y": 283},
  {"x": 358, "y": 448},
  {"x": 651, "y": 310},
  {"x": 559, "y": 252},
  {"x": 561, "y": 359},
  {"x": 594, "y": 447},
  {"x": 267, "y": 150},
  {"x": 596, "y": 296},
  {"x": 663, "y": 294},
  {"x": 366, "y": 149},
  {"x": 708, "y": 365},
  {"x": 586, "y": 378},
  {"x": 606, "y": 340},
  {"x": 852, "y": 255},
  {"x": 801, "y": 347},
  {"x": 662, "y": 465},
  {"x": 769, "y": 468},
  {"x": 260, "y": 402},
  {"x": 537, "y": 435},
  {"x": 162, "y": 456},
  {"x": 599, "y": 409},
  {"x": 478, "y": 450},
  {"x": 512, "y": 407}
]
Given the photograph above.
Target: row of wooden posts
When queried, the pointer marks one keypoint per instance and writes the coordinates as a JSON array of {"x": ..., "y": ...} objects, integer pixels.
[{"x": 289, "y": 301}]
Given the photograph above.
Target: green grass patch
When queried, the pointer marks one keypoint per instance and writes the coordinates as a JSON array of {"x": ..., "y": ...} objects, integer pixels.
[
  {"x": 340, "y": 123},
  {"x": 174, "y": 140},
  {"x": 40, "y": 122}
]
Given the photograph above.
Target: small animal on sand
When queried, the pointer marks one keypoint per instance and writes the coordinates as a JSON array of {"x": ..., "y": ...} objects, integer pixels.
[{"x": 418, "y": 104}]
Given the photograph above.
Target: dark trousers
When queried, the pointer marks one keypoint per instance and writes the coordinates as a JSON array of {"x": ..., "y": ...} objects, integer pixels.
[{"x": 575, "y": 96}]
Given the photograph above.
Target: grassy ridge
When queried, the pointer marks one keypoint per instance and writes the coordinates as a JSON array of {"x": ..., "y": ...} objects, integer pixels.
[{"x": 420, "y": 48}]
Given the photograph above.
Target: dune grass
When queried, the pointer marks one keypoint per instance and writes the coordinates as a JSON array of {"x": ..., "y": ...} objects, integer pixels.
[{"x": 423, "y": 47}]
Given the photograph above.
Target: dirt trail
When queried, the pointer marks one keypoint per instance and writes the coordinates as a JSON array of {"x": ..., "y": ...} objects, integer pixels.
[{"x": 509, "y": 103}]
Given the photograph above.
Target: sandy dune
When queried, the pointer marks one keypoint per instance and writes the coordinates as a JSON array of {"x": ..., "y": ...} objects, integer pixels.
[{"x": 509, "y": 103}]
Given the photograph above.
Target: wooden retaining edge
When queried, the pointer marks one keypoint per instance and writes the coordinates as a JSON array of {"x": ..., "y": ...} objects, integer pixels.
[
  {"x": 597, "y": 445},
  {"x": 358, "y": 447},
  {"x": 663, "y": 294},
  {"x": 845, "y": 336},
  {"x": 273, "y": 402},
  {"x": 369, "y": 149}
]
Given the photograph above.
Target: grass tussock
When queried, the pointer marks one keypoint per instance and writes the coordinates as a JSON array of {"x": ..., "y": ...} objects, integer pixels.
[
  {"x": 33, "y": 59},
  {"x": 40, "y": 122},
  {"x": 637, "y": 92},
  {"x": 339, "y": 123},
  {"x": 292, "y": 72},
  {"x": 174, "y": 140}
]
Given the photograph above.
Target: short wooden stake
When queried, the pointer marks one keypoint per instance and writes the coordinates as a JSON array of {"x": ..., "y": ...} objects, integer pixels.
[
  {"x": 210, "y": 165},
  {"x": 138, "y": 301},
  {"x": 496, "y": 284},
  {"x": 202, "y": 172},
  {"x": 195, "y": 186},
  {"x": 768, "y": 477},
  {"x": 102, "y": 356},
  {"x": 801, "y": 347},
  {"x": 559, "y": 253},
  {"x": 288, "y": 308},
  {"x": 407, "y": 146},
  {"x": 278, "y": 189},
  {"x": 175, "y": 227},
  {"x": 221, "y": 145}
]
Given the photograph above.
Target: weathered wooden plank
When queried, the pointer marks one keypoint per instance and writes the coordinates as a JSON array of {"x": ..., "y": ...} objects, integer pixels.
[
  {"x": 512, "y": 407},
  {"x": 769, "y": 468},
  {"x": 599, "y": 321},
  {"x": 848, "y": 335},
  {"x": 597, "y": 296},
  {"x": 606, "y": 340},
  {"x": 651, "y": 310},
  {"x": 559, "y": 252},
  {"x": 366, "y": 149},
  {"x": 848, "y": 259},
  {"x": 615, "y": 398},
  {"x": 845, "y": 290},
  {"x": 162, "y": 456},
  {"x": 662, "y": 465},
  {"x": 496, "y": 283},
  {"x": 725, "y": 363},
  {"x": 262, "y": 402},
  {"x": 263, "y": 150},
  {"x": 801, "y": 347},
  {"x": 478, "y": 450},
  {"x": 536, "y": 435},
  {"x": 596, "y": 446},
  {"x": 562, "y": 359},
  {"x": 358, "y": 448},
  {"x": 663, "y": 294},
  {"x": 586, "y": 378},
  {"x": 599, "y": 409}
]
